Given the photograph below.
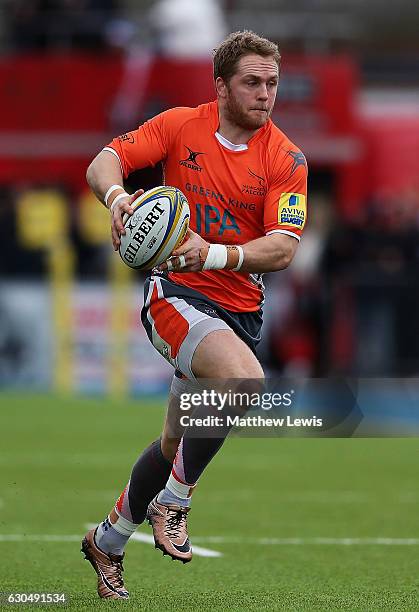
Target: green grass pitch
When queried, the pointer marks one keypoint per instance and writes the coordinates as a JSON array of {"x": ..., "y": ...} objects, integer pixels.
[{"x": 63, "y": 461}]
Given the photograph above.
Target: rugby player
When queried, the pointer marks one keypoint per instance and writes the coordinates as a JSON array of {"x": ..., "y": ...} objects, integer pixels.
[{"x": 246, "y": 184}]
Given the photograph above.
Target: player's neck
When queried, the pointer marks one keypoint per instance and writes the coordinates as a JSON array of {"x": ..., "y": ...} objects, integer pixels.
[
  {"x": 234, "y": 133},
  {"x": 231, "y": 131}
]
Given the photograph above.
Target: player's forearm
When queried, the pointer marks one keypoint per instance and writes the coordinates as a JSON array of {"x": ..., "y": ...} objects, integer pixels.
[
  {"x": 103, "y": 172},
  {"x": 266, "y": 254},
  {"x": 269, "y": 253}
]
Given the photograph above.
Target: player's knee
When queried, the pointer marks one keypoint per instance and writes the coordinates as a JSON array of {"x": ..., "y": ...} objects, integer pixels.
[{"x": 249, "y": 369}]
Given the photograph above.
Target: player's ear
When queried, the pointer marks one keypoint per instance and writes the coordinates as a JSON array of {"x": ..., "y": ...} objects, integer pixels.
[{"x": 221, "y": 87}]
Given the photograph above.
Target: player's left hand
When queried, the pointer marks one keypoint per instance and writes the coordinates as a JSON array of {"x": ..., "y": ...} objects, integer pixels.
[{"x": 186, "y": 258}]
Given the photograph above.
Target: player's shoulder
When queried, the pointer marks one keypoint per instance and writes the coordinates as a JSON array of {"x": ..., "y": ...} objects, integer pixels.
[
  {"x": 179, "y": 115},
  {"x": 283, "y": 153},
  {"x": 279, "y": 145}
]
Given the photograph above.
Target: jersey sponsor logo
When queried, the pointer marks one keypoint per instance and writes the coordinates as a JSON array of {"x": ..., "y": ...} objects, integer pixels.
[
  {"x": 208, "y": 219},
  {"x": 128, "y": 137},
  {"x": 242, "y": 205},
  {"x": 215, "y": 195},
  {"x": 203, "y": 191},
  {"x": 259, "y": 190},
  {"x": 292, "y": 210},
  {"x": 190, "y": 162}
]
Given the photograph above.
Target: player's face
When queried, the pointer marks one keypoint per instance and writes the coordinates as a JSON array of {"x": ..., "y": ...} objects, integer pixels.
[{"x": 251, "y": 91}]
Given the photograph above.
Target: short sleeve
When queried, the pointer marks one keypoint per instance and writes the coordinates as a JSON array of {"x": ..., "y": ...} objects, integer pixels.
[
  {"x": 143, "y": 147},
  {"x": 285, "y": 207}
]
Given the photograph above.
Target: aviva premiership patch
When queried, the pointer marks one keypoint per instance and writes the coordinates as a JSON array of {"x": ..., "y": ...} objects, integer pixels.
[{"x": 292, "y": 210}]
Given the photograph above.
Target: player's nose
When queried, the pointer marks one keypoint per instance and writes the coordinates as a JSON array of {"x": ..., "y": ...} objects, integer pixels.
[{"x": 263, "y": 92}]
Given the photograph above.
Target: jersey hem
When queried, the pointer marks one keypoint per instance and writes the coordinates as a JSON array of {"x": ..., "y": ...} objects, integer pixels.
[
  {"x": 284, "y": 232},
  {"x": 174, "y": 278}
]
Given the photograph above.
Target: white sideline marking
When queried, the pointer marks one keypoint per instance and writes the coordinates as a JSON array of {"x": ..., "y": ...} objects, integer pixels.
[
  {"x": 309, "y": 541},
  {"x": 205, "y": 552},
  {"x": 21, "y": 537},
  {"x": 148, "y": 539},
  {"x": 197, "y": 550}
]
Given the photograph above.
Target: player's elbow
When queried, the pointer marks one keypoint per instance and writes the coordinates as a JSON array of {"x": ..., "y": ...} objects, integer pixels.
[
  {"x": 90, "y": 174},
  {"x": 96, "y": 168},
  {"x": 283, "y": 248},
  {"x": 282, "y": 263},
  {"x": 284, "y": 258}
]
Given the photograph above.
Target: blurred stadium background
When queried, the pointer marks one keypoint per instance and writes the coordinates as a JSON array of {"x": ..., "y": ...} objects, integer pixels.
[{"x": 74, "y": 73}]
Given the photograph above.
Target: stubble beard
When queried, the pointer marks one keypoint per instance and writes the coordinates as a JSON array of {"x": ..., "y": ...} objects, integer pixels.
[{"x": 237, "y": 115}]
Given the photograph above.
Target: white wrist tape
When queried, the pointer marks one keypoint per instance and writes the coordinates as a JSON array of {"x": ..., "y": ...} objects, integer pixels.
[
  {"x": 111, "y": 189},
  {"x": 241, "y": 257},
  {"x": 216, "y": 258},
  {"x": 118, "y": 197}
]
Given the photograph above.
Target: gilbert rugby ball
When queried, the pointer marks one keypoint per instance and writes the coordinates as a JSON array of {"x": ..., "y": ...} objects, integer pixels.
[{"x": 157, "y": 226}]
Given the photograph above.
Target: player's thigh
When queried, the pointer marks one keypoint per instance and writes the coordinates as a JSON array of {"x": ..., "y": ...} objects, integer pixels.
[{"x": 222, "y": 354}]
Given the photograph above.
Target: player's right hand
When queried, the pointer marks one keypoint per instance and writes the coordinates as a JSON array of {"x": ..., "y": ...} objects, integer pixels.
[{"x": 122, "y": 207}]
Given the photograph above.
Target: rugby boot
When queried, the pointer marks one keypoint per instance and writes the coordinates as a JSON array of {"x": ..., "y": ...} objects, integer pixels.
[
  {"x": 108, "y": 567},
  {"x": 170, "y": 529}
]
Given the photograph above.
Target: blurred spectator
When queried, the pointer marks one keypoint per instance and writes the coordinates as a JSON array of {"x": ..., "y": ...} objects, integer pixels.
[
  {"x": 376, "y": 264},
  {"x": 295, "y": 301},
  {"x": 186, "y": 29},
  {"x": 176, "y": 29}
]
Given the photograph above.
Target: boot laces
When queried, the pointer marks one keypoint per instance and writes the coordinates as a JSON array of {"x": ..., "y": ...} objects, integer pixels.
[
  {"x": 117, "y": 569},
  {"x": 176, "y": 522}
]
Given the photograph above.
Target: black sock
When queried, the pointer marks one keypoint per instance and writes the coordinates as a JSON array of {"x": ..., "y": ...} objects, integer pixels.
[
  {"x": 198, "y": 451},
  {"x": 196, "y": 455},
  {"x": 149, "y": 476}
]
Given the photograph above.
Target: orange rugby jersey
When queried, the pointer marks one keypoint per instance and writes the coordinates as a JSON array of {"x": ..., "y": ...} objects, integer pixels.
[{"x": 234, "y": 196}]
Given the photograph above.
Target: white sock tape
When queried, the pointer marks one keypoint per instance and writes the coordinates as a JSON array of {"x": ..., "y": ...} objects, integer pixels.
[
  {"x": 123, "y": 525},
  {"x": 111, "y": 189},
  {"x": 216, "y": 258},
  {"x": 179, "y": 489}
]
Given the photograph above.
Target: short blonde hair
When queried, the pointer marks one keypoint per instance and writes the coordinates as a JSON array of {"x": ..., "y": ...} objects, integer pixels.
[{"x": 236, "y": 46}]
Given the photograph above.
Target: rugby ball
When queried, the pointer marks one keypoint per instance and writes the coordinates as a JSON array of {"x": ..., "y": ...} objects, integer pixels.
[{"x": 157, "y": 226}]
